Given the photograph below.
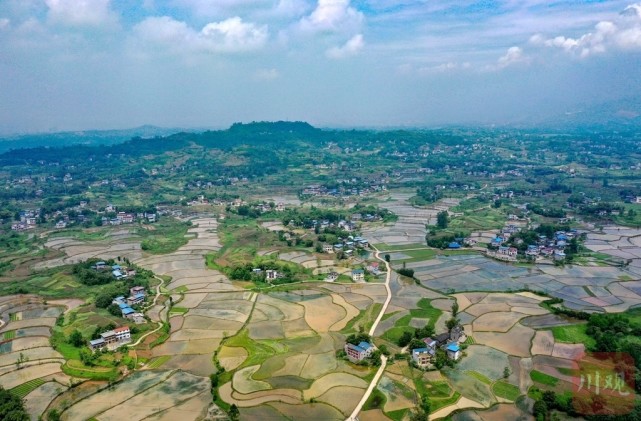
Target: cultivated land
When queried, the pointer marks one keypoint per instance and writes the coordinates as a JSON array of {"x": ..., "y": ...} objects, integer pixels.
[{"x": 274, "y": 348}]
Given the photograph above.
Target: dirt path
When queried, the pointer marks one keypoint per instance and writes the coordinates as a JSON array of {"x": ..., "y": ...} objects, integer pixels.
[
  {"x": 381, "y": 369},
  {"x": 160, "y": 323}
]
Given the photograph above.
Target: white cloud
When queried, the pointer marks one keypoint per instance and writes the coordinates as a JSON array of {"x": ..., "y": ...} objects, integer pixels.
[
  {"x": 623, "y": 33},
  {"x": 512, "y": 56},
  {"x": 93, "y": 13},
  {"x": 333, "y": 16},
  {"x": 353, "y": 46},
  {"x": 230, "y": 35},
  {"x": 266, "y": 74},
  {"x": 4, "y": 23}
]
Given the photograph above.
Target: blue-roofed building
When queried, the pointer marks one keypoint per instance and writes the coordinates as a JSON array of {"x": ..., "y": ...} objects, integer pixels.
[
  {"x": 454, "y": 245},
  {"x": 127, "y": 311},
  {"x": 118, "y": 300},
  {"x": 116, "y": 267},
  {"x": 358, "y": 275},
  {"x": 123, "y": 305},
  {"x": 359, "y": 352},
  {"x": 136, "y": 299},
  {"x": 117, "y": 274},
  {"x": 423, "y": 356},
  {"x": 453, "y": 351},
  {"x": 96, "y": 344}
]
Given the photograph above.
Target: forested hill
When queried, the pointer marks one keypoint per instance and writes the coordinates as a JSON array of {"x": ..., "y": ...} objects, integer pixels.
[
  {"x": 88, "y": 137},
  {"x": 261, "y": 137}
]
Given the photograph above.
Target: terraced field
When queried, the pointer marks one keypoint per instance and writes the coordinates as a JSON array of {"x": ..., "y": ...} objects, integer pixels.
[{"x": 29, "y": 367}]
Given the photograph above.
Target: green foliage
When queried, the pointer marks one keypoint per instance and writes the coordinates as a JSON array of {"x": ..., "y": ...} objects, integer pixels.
[
  {"x": 442, "y": 219},
  {"x": 11, "y": 407},
  {"x": 25, "y": 388},
  {"x": 543, "y": 378},
  {"x": 357, "y": 338},
  {"x": 76, "y": 339},
  {"x": 375, "y": 401},
  {"x": 506, "y": 390},
  {"x": 406, "y": 272}
]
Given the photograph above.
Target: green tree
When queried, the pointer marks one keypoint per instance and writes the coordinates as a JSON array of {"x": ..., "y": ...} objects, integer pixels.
[
  {"x": 76, "y": 339},
  {"x": 234, "y": 413},
  {"x": 426, "y": 405},
  {"x": 405, "y": 339},
  {"x": 11, "y": 407},
  {"x": 387, "y": 258},
  {"x": 442, "y": 219},
  {"x": 53, "y": 415},
  {"x": 454, "y": 308},
  {"x": 452, "y": 323}
]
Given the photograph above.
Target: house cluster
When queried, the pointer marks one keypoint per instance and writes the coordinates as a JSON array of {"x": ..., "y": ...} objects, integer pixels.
[
  {"x": 270, "y": 274},
  {"x": 551, "y": 247},
  {"x": 348, "y": 245},
  {"x": 28, "y": 220},
  {"x": 129, "y": 218},
  {"x": 449, "y": 342},
  {"x": 118, "y": 272},
  {"x": 137, "y": 296},
  {"x": 344, "y": 189},
  {"x": 111, "y": 339},
  {"x": 359, "y": 352}
]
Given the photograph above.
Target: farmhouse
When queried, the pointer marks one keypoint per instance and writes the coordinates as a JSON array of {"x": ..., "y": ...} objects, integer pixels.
[
  {"x": 373, "y": 268},
  {"x": 453, "y": 351},
  {"x": 136, "y": 299},
  {"x": 112, "y": 339},
  {"x": 422, "y": 356},
  {"x": 332, "y": 276},
  {"x": 271, "y": 274},
  {"x": 358, "y": 275},
  {"x": 328, "y": 248},
  {"x": 358, "y": 352}
]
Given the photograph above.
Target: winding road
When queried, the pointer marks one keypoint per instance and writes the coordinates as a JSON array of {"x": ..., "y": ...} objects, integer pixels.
[
  {"x": 381, "y": 369},
  {"x": 160, "y": 324}
]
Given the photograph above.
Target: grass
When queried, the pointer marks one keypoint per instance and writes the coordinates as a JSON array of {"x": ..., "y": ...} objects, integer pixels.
[
  {"x": 425, "y": 311},
  {"x": 375, "y": 401},
  {"x": 168, "y": 236},
  {"x": 25, "y": 388},
  {"x": 418, "y": 255},
  {"x": 77, "y": 369},
  {"x": 506, "y": 390},
  {"x": 365, "y": 318},
  {"x": 178, "y": 310},
  {"x": 257, "y": 352},
  {"x": 157, "y": 362},
  {"x": 442, "y": 403},
  {"x": 397, "y": 415},
  {"x": 13, "y": 317},
  {"x": 543, "y": 378},
  {"x": 9, "y": 335},
  {"x": 478, "y": 376},
  {"x": 573, "y": 334}
]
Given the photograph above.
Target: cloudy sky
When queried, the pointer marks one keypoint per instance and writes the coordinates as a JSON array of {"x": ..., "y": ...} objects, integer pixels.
[{"x": 81, "y": 64}]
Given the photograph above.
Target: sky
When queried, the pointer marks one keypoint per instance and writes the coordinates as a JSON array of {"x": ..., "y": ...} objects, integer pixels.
[{"x": 107, "y": 64}]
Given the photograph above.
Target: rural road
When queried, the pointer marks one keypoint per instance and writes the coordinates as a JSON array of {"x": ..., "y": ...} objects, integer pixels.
[
  {"x": 162, "y": 281},
  {"x": 381, "y": 369}
]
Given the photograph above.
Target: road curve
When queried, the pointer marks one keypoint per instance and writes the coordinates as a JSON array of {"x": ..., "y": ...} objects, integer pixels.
[{"x": 381, "y": 369}]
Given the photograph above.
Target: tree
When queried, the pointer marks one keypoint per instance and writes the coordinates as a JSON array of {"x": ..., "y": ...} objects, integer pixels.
[
  {"x": 540, "y": 410},
  {"x": 234, "y": 413},
  {"x": 12, "y": 407},
  {"x": 454, "y": 308},
  {"x": 426, "y": 405},
  {"x": 442, "y": 219},
  {"x": 452, "y": 323},
  {"x": 405, "y": 339},
  {"x": 76, "y": 339},
  {"x": 53, "y": 415},
  {"x": 506, "y": 372},
  {"x": 114, "y": 310},
  {"x": 21, "y": 359},
  {"x": 387, "y": 258}
]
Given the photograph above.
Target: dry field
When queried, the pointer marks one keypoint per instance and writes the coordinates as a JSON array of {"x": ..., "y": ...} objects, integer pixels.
[{"x": 28, "y": 337}]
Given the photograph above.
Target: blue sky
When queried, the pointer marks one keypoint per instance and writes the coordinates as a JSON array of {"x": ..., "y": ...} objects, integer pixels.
[{"x": 82, "y": 64}]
